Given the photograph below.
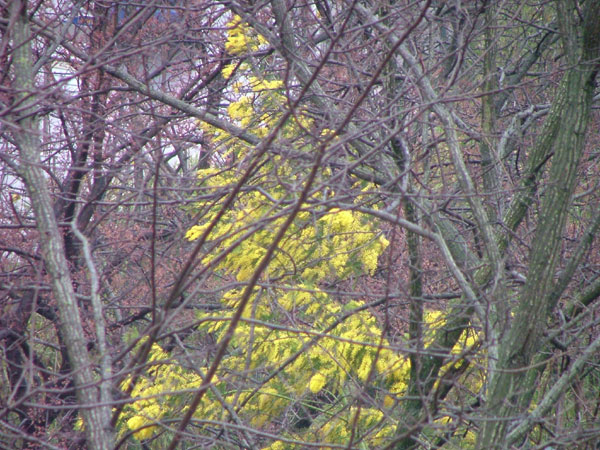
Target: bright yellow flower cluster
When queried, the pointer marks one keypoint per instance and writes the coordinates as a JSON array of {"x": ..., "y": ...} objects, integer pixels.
[
  {"x": 160, "y": 394},
  {"x": 241, "y": 38},
  {"x": 317, "y": 247},
  {"x": 372, "y": 427},
  {"x": 346, "y": 354},
  {"x": 258, "y": 101},
  {"x": 317, "y": 382},
  {"x": 258, "y": 107}
]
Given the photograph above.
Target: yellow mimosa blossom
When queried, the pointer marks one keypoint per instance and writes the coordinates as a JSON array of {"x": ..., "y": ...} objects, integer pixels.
[{"x": 317, "y": 382}]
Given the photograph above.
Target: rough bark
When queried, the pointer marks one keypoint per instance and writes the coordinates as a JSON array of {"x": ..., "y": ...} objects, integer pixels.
[
  {"x": 517, "y": 350},
  {"x": 96, "y": 416}
]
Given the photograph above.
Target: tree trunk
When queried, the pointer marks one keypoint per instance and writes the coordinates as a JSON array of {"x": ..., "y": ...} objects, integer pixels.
[
  {"x": 507, "y": 397},
  {"x": 26, "y": 135}
]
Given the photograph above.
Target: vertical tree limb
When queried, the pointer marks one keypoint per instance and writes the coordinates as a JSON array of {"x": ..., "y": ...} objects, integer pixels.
[{"x": 95, "y": 415}]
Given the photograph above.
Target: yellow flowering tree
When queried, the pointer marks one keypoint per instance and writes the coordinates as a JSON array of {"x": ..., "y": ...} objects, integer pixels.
[
  {"x": 304, "y": 364},
  {"x": 306, "y": 351}
]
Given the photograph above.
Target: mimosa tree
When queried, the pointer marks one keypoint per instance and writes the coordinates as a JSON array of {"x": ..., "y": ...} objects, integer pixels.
[{"x": 330, "y": 224}]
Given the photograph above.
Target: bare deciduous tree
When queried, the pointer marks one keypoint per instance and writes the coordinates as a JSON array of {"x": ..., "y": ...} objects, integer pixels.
[{"x": 285, "y": 224}]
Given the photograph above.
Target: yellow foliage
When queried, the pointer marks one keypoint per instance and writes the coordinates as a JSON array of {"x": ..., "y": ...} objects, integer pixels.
[
  {"x": 317, "y": 382},
  {"x": 292, "y": 327},
  {"x": 157, "y": 395},
  {"x": 318, "y": 246},
  {"x": 242, "y": 39}
]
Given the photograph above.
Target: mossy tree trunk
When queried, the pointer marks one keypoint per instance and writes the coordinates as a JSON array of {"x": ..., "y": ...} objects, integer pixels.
[{"x": 507, "y": 395}]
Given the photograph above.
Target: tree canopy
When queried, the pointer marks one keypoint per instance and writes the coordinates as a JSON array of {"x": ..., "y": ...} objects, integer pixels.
[{"x": 289, "y": 225}]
